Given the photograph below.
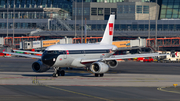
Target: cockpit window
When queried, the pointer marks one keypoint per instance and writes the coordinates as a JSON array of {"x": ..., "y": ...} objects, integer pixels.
[{"x": 53, "y": 52}]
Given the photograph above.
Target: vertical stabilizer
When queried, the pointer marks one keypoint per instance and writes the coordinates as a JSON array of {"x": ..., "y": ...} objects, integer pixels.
[{"x": 109, "y": 31}]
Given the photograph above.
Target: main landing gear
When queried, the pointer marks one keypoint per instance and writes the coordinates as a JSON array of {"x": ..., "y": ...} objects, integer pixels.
[
  {"x": 58, "y": 72},
  {"x": 101, "y": 75}
]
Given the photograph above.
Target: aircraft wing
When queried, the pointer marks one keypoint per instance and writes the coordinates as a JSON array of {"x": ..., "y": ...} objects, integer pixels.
[
  {"x": 134, "y": 56},
  {"x": 114, "y": 57},
  {"x": 26, "y": 55},
  {"x": 129, "y": 48},
  {"x": 28, "y": 51}
]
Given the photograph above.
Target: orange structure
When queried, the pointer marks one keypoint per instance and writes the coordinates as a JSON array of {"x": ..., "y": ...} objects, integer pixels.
[
  {"x": 8, "y": 41},
  {"x": 164, "y": 42},
  {"x": 121, "y": 44}
]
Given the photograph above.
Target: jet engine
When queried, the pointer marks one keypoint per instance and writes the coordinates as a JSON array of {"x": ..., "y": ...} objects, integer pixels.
[
  {"x": 112, "y": 63},
  {"x": 38, "y": 66},
  {"x": 99, "y": 67}
]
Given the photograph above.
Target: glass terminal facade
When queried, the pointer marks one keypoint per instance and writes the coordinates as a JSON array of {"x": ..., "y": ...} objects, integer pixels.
[
  {"x": 64, "y": 4},
  {"x": 122, "y": 26},
  {"x": 105, "y": 1},
  {"x": 110, "y": 1},
  {"x": 26, "y": 15},
  {"x": 170, "y": 9},
  {"x": 119, "y": 26},
  {"x": 48, "y": 20}
]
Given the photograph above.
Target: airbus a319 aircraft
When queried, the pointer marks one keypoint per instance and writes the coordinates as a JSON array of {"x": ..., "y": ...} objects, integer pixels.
[{"x": 98, "y": 57}]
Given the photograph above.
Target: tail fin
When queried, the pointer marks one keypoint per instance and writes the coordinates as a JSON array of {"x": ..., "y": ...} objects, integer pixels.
[{"x": 109, "y": 31}]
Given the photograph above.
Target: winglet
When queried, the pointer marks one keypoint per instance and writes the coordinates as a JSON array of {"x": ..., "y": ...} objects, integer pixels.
[{"x": 4, "y": 50}]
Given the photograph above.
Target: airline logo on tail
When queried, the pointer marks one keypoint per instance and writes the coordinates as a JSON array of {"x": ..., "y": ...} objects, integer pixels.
[{"x": 110, "y": 28}]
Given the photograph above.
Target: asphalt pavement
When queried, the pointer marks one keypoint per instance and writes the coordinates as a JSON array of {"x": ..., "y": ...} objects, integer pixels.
[{"x": 130, "y": 81}]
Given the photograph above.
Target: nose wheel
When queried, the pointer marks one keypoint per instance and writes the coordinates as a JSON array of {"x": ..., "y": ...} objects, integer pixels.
[
  {"x": 58, "y": 72},
  {"x": 61, "y": 72}
]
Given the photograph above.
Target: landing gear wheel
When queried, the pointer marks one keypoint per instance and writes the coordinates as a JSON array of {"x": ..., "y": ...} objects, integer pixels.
[
  {"x": 96, "y": 75},
  {"x": 62, "y": 73},
  {"x": 101, "y": 75},
  {"x": 55, "y": 74},
  {"x": 58, "y": 72}
]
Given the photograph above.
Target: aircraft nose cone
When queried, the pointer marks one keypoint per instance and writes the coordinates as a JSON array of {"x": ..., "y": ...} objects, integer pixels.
[{"x": 49, "y": 59}]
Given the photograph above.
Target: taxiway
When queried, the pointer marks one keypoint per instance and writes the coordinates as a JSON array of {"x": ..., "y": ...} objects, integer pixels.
[{"x": 129, "y": 81}]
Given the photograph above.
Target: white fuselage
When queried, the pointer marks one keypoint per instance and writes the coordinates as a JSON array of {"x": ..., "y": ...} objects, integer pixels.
[{"x": 72, "y": 54}]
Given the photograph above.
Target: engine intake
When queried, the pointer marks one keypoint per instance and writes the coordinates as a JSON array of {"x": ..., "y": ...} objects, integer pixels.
[
  {"x": 38, "y": 66},
  {"x": 99, "y": 67},
  {"x": 112, "y": 63}
]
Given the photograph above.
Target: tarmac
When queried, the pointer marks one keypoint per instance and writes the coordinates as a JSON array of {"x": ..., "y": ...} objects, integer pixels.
[
  {"x": 131, "y": 80},
  {"x": 88, "y": 79}
]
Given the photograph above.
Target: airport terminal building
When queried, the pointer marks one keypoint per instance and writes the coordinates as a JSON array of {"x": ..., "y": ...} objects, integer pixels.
[{"x": 58, "y": 17}]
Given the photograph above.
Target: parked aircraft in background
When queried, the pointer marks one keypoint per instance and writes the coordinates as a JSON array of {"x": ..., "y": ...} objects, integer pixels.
[{"x": 98, "y": 57}]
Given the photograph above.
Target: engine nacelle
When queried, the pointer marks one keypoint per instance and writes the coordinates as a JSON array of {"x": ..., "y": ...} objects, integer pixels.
[
  {"x": 99, "y": 67},
  {"x": 112, "y": 63},
  {"x": 38, "y": 66}
]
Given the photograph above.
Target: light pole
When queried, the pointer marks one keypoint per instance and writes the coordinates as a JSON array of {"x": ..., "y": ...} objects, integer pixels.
[
  {"x": 149, "y": 26},
  {"x": 13, "y": 22},
  {"x": 7, "y": 17},
  {"x": 75, "y": 20},
  {"x": 82, "y": 24},
  {"x": 156, "y": 28}
]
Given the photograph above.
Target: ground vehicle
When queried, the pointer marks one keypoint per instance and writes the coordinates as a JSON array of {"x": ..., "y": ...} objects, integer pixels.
[
  {"x": 140, "y": 59},
  {"x": 148, "y": 59},
  {"x": 172, "y": 57},
  {"x": 1, "y": 54}
]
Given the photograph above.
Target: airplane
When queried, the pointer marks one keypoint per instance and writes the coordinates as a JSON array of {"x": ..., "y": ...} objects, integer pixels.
[{"x": 98, "y": 57}]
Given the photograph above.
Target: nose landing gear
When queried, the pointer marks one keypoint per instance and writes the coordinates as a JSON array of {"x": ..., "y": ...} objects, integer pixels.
[{"x": 58, "y": 72}]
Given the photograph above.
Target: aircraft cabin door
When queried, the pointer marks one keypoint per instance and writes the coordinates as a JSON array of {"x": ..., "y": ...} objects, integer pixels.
[{"x": 83, "y": 52}]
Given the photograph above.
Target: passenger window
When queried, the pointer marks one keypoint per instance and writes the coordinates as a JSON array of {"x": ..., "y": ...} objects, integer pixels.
[{"x": 53, "y": 52}]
